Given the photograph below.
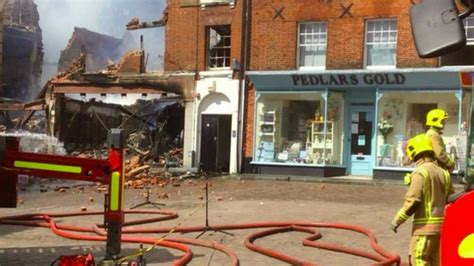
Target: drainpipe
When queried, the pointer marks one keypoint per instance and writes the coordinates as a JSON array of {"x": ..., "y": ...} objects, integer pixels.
[
  {"x": 195, "y": 157},
  {"x": 245, "y": 41}
]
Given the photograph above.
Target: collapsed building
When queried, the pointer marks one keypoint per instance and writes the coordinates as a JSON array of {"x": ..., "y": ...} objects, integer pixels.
[
  {"x": 100, "y": 50},
  {"x": 92, "y": 94},
  {"x": 81, "y": 107},
  {"x": 22, "y": 50}
]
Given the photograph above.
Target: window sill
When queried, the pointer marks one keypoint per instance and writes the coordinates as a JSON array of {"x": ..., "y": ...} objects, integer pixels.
[
  {"x": 312, "y": 68},
  {"x": 295, "y": 164},
  {"x": 216, "y": 73},
  {"x": 380, "y": 67},
  {"x": 458, "y": 66}
]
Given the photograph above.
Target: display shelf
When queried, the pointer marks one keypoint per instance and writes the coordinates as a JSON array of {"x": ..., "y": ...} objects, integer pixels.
[
  {"x": 269, "y": 133},
  {"x": 321, "y": 141}
]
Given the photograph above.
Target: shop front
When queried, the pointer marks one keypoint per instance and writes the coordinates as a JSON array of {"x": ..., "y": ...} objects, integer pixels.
[{"x": 353, "y": 122}]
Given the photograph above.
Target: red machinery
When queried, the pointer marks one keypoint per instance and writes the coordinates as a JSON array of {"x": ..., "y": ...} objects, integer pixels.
[
  {"x": 457, "y": 245},
  {"x": 110, "y": 172}
]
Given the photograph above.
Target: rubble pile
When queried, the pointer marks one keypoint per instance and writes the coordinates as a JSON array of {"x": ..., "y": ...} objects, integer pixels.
[
  {"x": 99, "y": 50},
  {"x": 131, "y": 62},
  {"x": 74, "y": 70}
]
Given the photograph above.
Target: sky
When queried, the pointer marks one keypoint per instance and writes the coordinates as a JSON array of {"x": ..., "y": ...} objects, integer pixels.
[{"x": 59, "y": 17}]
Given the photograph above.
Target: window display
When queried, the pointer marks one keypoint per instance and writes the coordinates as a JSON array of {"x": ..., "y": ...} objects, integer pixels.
[
  {"x": 402, "y": 115},
  {"x": 299, "y": 128}
]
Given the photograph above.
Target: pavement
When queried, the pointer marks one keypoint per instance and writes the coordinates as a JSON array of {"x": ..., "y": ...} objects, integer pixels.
[{"x": 236, "y": 199}]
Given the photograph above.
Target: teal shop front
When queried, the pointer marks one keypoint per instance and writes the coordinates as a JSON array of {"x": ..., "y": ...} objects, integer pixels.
[{"x": 351, "y": 122}]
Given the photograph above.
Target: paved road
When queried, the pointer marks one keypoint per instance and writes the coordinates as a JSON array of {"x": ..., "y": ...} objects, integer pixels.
[{"x": 232, "y": 201}]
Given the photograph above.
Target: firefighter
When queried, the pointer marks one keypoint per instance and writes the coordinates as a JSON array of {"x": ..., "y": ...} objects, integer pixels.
[
  {"x": 435, "y": 120},
  {"x": 429, "y": 188}
]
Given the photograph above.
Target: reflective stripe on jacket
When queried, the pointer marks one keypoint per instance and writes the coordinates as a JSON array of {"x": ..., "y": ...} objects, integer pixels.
[
  {"x": 439, "y": 148},
  {"x": 428, "y": 193}
]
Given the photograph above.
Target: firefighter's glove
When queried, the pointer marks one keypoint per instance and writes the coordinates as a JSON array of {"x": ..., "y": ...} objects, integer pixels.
[
  {"x": 394, "y": 227},
  {"x": 407, "y": 179}
]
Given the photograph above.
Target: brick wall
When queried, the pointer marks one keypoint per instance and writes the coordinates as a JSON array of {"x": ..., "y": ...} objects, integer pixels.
[
  {"x": 185, "y": 35},
  {"x": 274, "y": 38},
  {"x": 249, "y": 122}
]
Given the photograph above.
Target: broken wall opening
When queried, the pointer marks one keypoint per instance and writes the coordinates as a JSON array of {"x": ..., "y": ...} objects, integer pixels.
[{"x": 153, "y": 127}]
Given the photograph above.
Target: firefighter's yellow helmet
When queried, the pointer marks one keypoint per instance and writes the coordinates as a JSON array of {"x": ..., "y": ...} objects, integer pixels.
[
  {"x": 435, "y": 118},
  {"x": 418, "y": 144}
]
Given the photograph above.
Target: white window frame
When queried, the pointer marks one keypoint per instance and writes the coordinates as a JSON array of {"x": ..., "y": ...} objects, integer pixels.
[
  {"x": 381, "y": 31},
  {"x": 469, "y": 26},
  {"x": 226, "y": 58},
  {"x": 318, "y": 34}
]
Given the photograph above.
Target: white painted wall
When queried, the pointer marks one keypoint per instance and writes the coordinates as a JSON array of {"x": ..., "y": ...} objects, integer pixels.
[
  {"x": 188, "y": 141},
  {"x": 216, "y": 93}
]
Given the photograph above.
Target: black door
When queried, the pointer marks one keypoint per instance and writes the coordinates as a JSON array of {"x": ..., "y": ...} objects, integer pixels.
[{"x": 215, "y": 142}]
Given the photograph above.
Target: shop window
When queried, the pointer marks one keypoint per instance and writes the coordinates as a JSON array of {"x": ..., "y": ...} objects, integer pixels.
[
  {"x": 297, "y": 129},
  {"x": 465, "y": 55},
  {"x": 218, "y": 44},
  {"x": 381, "y": 43},
  {"x": 312, "y": 44},
  {"x": 469, "y": 27},
  {"x": 402, "y": 115},
  {"x": 416, "y": 117}
]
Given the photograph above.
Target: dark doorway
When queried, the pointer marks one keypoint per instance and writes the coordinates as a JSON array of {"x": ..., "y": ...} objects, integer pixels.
[{"x": 215, "y": 142}]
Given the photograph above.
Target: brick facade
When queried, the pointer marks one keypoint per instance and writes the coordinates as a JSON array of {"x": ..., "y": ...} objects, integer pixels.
[
  {"x": 273, "y": 37},
  {"x": 185, "y": 41}
]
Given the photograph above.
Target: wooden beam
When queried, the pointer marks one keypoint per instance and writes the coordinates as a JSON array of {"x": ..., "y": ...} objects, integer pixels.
[
  {"x": 112, "y": 89},
  {"x": 32, "y": 106}
]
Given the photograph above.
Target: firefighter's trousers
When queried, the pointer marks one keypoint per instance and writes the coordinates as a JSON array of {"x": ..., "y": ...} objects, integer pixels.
[{"x": 424, "y": 250}]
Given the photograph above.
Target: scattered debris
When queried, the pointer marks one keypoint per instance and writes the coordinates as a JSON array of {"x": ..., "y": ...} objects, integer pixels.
[
  {"x": 102, "y": 188},
  {"x": 163, "y": 195},
  {"x": 137, "y": 171}
]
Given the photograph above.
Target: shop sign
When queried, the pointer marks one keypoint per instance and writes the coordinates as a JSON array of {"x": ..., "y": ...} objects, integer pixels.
[
  {"x": 298, "y": 80},
  {"x": 369, "y": 79}
]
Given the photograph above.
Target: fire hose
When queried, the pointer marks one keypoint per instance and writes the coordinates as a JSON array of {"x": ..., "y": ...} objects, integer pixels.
[
  {"x": 47, "y": 220},
  {"x": 110, "y": 172}
]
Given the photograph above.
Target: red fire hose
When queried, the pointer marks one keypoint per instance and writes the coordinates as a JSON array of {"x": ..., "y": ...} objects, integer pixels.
[{"x": 381, "y": 257}]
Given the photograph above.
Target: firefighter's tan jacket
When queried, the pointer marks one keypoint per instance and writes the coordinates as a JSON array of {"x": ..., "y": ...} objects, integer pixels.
[
  {"x": 440, "y": 149},
  {"x": 426, "y": 198}
]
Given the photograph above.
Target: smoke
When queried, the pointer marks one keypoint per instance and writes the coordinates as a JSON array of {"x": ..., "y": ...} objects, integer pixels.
[
  {"x": 37, "y": 143},
  {"x": 59, "y": 17}
]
